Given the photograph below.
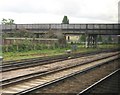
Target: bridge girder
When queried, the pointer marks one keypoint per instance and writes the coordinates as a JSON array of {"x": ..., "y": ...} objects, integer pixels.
[{"x": 101, "y": 29}]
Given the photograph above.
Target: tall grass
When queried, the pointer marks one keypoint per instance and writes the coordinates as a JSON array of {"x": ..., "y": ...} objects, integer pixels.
[{"x": 42, "y": 50}]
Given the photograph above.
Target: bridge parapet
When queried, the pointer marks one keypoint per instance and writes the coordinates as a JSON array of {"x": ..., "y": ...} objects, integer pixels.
[
  {"x": 70, "y": 27},
  {"x": 61, "y": 26}
]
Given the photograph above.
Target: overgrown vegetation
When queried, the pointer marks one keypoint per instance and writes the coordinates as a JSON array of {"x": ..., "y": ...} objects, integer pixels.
[
  {"x": 28, "y": 45},
  {"x": 7, "y": 21},
  {"x": 22, "y": 47},
  {"x": 51, "y": 52}
]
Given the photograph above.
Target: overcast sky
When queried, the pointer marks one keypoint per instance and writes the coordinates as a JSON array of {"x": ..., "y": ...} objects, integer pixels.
[{"x": 53, "y": 11}]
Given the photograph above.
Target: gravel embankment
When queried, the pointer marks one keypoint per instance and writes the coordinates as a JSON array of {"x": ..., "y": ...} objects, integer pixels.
[{"x": 80, "y": 82}]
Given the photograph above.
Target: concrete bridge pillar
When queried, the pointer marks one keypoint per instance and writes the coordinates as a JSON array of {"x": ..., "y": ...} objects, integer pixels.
[{"x": 91, "y": 41}]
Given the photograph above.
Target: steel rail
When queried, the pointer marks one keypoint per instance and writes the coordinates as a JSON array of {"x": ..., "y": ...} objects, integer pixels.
[
  {"x": 20, "y": 78},
  {"x": 64, "y": 76},
  {"x": 8, "y": 63},
  {"x": 44, "y": 60},
  {"x": 97, "y": 83}
]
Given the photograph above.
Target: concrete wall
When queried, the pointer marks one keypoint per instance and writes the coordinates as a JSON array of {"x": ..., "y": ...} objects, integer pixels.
[{"x": 9, "y": 41}]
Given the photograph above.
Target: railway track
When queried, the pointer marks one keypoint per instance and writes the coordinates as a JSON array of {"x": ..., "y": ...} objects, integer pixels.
[
  {"x": 33, "y": 82},
  {"x": 51, "y": 66},
  {"x": 25, "y": 63},
  {"x": 101, "y": 85}
]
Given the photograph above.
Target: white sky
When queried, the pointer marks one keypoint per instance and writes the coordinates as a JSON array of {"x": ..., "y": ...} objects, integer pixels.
[{"x": 53, "y": 11}]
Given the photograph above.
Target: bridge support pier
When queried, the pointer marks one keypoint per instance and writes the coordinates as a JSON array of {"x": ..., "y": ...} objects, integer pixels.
[{"x": 91, "y": 41}]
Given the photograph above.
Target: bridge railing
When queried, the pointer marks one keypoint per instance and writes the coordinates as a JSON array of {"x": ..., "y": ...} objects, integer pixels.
[
  {"x": 8, "y": 27},
  {"x": 60, "y": 26}
]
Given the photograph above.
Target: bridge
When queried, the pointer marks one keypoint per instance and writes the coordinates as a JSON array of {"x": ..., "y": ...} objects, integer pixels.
[
  {"x": 90, "y": 30},
  {"x": 103, "y": 29}
]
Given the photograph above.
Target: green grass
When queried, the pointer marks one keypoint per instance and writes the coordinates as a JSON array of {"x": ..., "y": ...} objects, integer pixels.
[
  {"x": 109, "y": 46},
  {"x": 50, "y": 52},
  {"x": 32, "y": 54}
]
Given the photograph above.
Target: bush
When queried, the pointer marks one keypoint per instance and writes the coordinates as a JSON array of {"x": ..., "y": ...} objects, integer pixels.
[{"x": 27, "y": 46}]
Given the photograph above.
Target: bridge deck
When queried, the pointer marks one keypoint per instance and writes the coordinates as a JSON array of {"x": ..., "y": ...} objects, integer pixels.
[{"x": 68, "y": 28}]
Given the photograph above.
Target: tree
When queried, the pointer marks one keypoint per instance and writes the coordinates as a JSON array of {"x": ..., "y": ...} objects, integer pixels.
[
  {"x": 109, "y": 39},
  {"x": 7, "y": 21},
  {"x": 4, "y": 21},
  {"x": 99, "y": 38},
  {"x": 20, "y": 45},
  {"x": 50, "y": 34},
  {"x": 23, "y": 33},
  {"x": 11, "y": 21},
  {"x": 58, "y": 35},
  {"x": 65, "y": 20},
  {"x": 82, "y": 38},
  {"x": 61, "y": 38}
]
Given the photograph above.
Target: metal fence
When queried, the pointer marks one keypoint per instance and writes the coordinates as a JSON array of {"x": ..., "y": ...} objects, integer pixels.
[{"x": 60, "y": 26}]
